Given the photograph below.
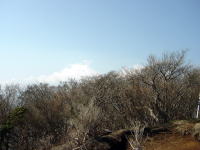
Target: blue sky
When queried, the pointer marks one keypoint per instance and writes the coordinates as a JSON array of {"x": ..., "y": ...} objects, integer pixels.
[{"x": 44, "y": 37}]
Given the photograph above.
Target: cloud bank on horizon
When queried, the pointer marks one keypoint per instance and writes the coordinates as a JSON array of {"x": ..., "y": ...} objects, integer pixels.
[{"x": 73, "y": 71}]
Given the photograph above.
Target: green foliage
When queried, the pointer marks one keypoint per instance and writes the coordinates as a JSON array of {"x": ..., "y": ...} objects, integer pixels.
[{"x": 14, "y": 118}]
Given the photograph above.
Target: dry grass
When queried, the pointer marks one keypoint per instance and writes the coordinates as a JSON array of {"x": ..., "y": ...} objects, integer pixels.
[{"x": 183, "y": 127}]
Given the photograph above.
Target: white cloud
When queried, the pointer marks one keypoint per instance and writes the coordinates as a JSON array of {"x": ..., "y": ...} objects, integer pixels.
[
  {"x": 73, "y": 71},
  {"x": 133, "y": 69},
  {"x": 137, "y": 67}
]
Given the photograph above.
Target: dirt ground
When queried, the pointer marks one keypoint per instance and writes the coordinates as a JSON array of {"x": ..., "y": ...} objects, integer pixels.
[{"x": 172, "y": 142}]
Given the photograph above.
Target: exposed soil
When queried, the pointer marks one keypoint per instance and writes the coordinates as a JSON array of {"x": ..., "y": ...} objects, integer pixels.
[{"x": 172, "y": 142}]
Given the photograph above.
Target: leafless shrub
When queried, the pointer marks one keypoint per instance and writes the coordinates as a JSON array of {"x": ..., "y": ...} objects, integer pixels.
[
  {"x": 86, "y": 123},
  {"x": 137, "y": 139}
]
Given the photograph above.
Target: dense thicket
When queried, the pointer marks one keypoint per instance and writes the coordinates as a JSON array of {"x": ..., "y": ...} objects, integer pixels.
[{"x": 39, "y": 116}]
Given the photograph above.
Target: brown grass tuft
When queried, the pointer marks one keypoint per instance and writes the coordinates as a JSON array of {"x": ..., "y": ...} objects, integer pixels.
[{"x": 183, "y": 127}]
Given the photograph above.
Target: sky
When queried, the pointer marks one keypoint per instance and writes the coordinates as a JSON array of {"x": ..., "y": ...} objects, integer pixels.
[{"x": 52, "y": 40}]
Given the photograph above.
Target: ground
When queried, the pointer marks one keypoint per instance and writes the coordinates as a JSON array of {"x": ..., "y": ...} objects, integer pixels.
[
  {"x": 172, "y": 142},
  {"x": 177, "y": 135}
]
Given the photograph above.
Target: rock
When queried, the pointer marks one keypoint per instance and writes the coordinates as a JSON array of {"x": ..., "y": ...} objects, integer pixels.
[
  {"x": 118, "y": 140},
  {"x": 113, "y": 141}
]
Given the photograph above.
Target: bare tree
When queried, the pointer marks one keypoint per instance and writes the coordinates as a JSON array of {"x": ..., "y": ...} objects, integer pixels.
[{"x": 165, "y": 78}]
